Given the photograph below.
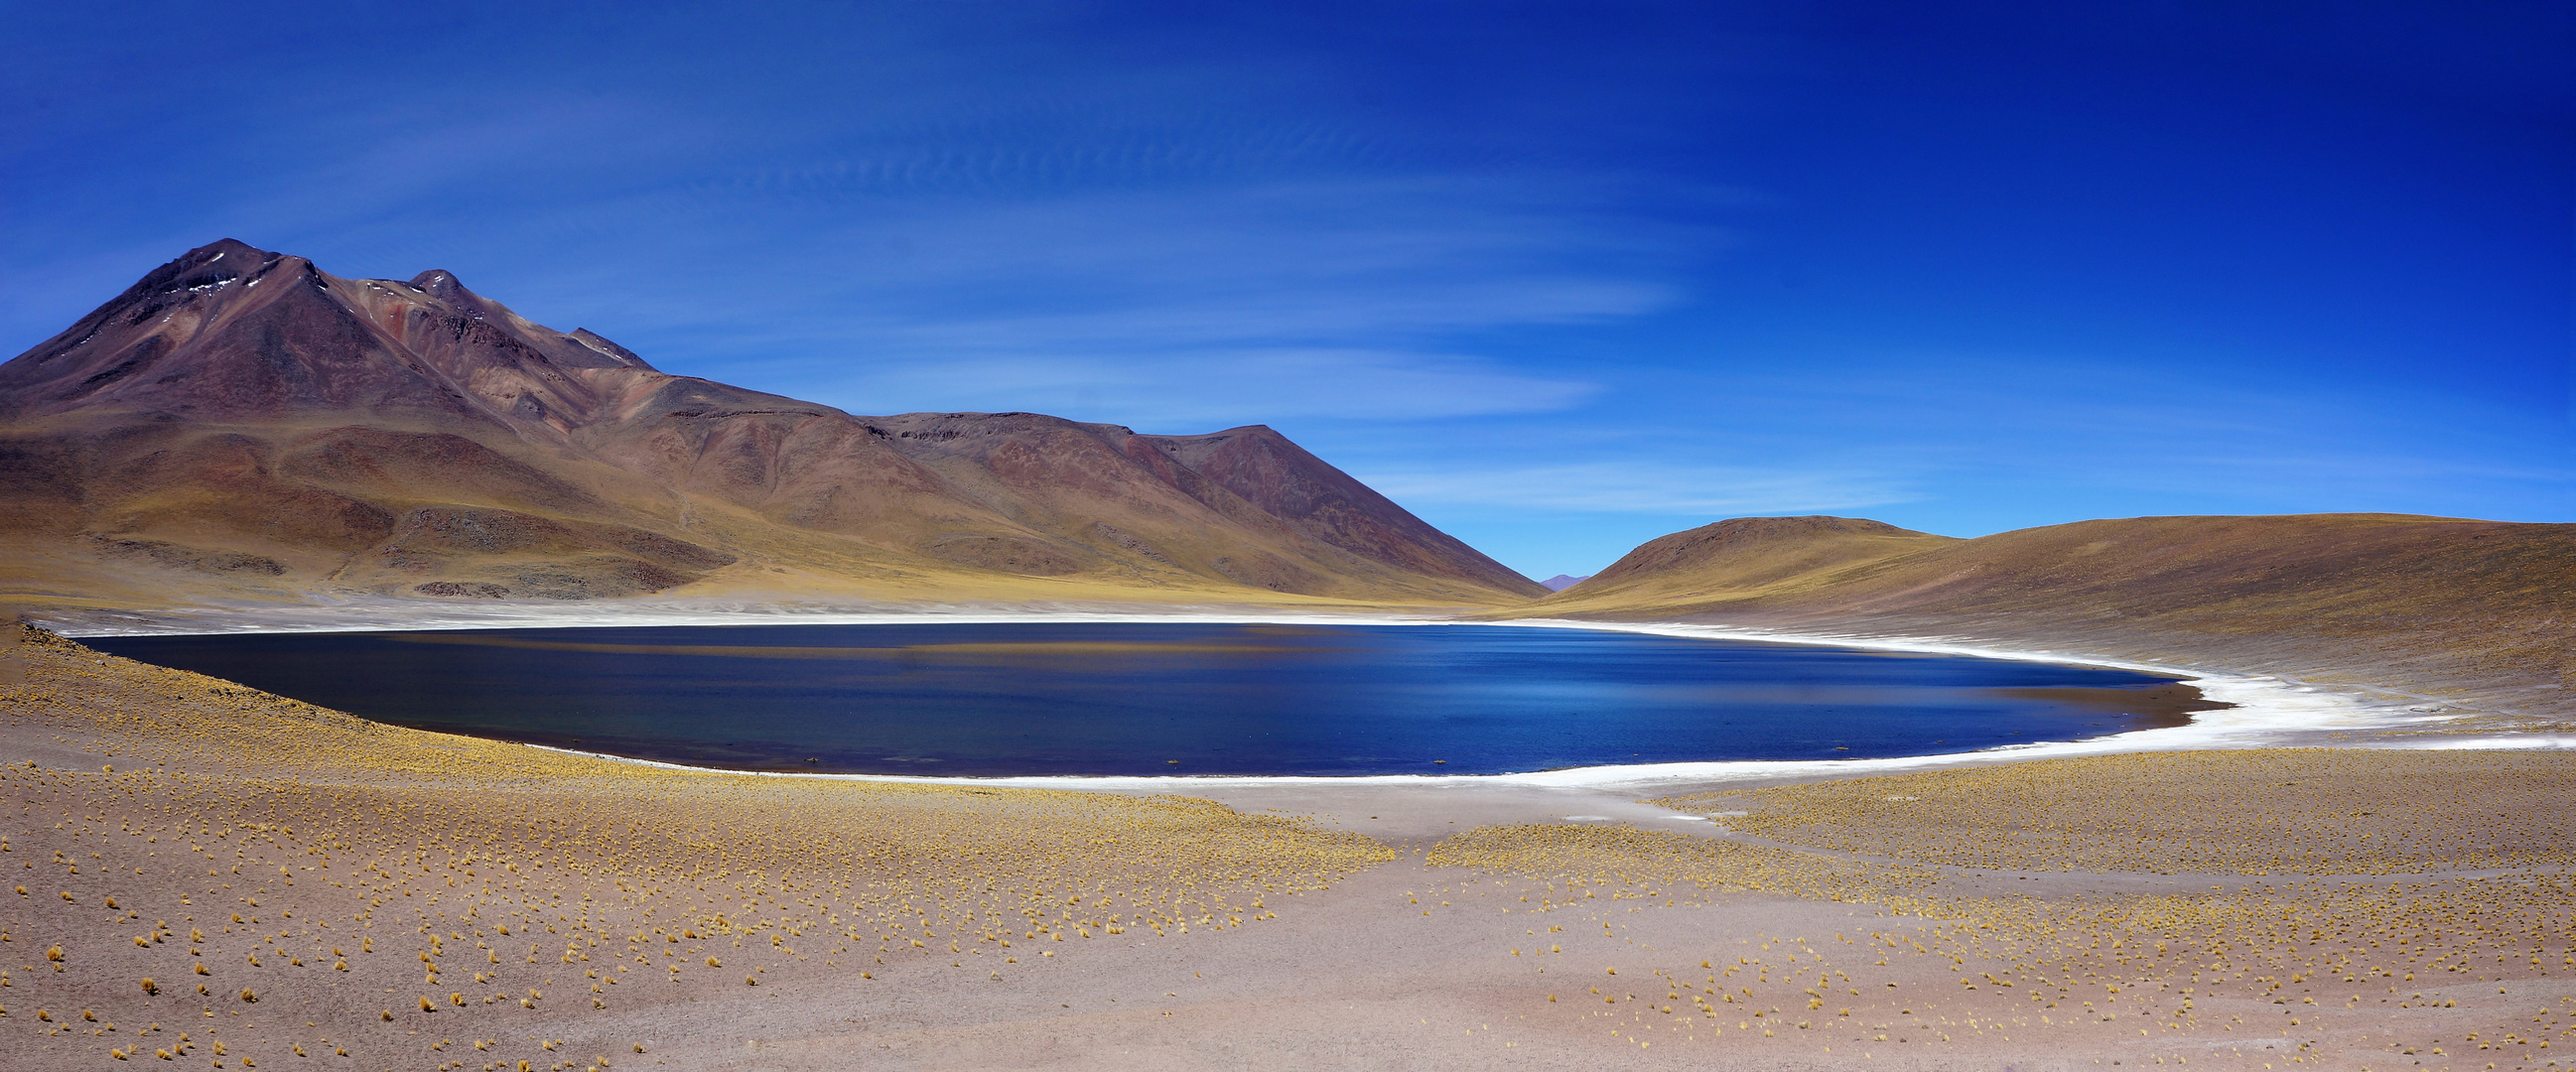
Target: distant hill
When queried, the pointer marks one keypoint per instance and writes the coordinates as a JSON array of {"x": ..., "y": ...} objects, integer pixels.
[
  {"x": 241, "y": 423},
  {"x": 1561, "y": 582},
  {"x": 2461, "y": 608},
  {"x": 1745, "y": 555}
]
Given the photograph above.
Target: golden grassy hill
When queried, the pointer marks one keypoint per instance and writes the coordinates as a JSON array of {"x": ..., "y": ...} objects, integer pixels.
[
  {"x": 2475, "y": 611},
  {"x": 1740, "y": 555}
]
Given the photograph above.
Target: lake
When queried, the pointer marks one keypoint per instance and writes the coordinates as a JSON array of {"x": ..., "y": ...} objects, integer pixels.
[{"x": 1175, "y": 698}]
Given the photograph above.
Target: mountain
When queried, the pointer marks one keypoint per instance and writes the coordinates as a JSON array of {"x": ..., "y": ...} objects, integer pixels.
[
  {"x": 241, "y": 423},
  {"x": 2471, "y": 611},
  {"x": 1562, "y": 581}
]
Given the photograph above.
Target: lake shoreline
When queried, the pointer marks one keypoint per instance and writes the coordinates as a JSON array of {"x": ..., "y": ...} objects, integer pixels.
[{"x": 2264, "y": 710}]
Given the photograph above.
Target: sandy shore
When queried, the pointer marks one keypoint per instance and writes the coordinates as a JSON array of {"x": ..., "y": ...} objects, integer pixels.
[{"x": 404, "y": 896}]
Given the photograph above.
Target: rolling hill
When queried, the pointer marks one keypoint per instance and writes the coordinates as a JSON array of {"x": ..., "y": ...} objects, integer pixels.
[{"x": 2478, "y": 612}]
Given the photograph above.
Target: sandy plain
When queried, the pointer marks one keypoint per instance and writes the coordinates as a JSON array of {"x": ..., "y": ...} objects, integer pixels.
[{"x": 197, "y": 870}]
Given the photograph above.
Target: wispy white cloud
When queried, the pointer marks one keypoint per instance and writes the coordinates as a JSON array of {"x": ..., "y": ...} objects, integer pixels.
[
  {"x": 1631, "y": 487},
  {"x": 1339, "y": 298},
  {"x": 1314, "y": 262},
  {"x": 1201, "y": 389}
]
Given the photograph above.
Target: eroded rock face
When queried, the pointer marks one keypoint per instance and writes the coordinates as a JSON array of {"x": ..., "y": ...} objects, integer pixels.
[{"x": 414, "y": 437}]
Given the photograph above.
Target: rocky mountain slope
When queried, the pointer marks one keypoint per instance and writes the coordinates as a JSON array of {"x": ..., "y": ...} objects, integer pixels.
[{"x": 240, "y": 423}]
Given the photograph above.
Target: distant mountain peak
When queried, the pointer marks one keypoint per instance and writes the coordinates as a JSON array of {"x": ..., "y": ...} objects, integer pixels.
[
  {"x": 443, "y": 285},
  {"x": 1562, "y": 581},
  {"x": 416, "y": 437},
  {"x": 225, "y": 249},
  {"x": 199, "y": 269}
]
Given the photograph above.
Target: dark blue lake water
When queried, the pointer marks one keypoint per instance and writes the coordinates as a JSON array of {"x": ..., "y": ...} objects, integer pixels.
[{"x": 1095, "y": 698}]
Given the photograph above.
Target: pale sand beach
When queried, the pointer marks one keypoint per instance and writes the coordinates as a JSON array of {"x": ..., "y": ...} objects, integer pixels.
[{"x": 306, "y": 889}]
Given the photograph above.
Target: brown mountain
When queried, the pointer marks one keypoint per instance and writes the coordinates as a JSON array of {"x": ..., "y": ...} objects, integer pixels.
[
  {"x": 240, "y": 422},
  {"x": 2469, "y": 611}
]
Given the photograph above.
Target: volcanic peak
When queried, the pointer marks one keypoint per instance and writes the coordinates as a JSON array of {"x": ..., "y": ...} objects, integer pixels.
[{"x": 241, "y": 405}]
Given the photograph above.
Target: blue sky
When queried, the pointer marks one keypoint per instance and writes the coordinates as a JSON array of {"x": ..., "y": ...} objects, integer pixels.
[{"x": 1560, "y": 278}]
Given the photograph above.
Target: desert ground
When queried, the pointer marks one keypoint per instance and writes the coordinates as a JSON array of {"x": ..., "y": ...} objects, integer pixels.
[{"x": 203, "y": 874}]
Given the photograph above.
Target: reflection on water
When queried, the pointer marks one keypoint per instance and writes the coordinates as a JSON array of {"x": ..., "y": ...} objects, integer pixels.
[
  {"x": 1021, "y": 650},
  {"x": 1100, "y": 698}
]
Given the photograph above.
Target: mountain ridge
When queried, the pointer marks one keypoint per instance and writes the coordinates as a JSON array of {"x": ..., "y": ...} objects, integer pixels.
[{"x": 268, "y": 429}]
